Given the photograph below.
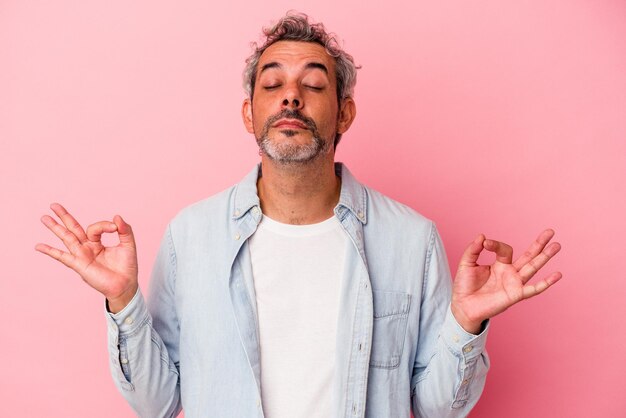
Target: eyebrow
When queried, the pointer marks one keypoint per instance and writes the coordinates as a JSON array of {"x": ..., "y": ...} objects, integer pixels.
[
  {"x": 318, "y": 65},
  {"x": 309, "y": 65}
]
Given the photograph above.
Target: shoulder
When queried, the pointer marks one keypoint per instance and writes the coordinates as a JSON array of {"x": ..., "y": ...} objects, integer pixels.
[
  {"x": 220, "y": 207},
  {"x": 381, "y": 213},
  {"x": 204, "y": 212},
  {"x": 387, "y": 214}
]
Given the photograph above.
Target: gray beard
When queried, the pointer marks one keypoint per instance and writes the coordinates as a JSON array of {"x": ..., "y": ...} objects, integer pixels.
[{"x": 293, "y": 153}]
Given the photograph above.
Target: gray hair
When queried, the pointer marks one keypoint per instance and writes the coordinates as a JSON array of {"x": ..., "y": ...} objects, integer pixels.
[{"x": 295, "y": 26}]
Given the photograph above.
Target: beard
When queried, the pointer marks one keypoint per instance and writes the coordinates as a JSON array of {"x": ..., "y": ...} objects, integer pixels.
[{"x": 290, "y": 153}]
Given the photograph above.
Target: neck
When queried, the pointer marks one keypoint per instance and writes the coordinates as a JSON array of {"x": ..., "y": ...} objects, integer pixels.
[{"x": 298, "y": 194}]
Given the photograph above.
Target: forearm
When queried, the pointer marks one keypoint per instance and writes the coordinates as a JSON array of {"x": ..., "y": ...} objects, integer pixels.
[
  {"x": 140, "y": 364},
  {"x": 453, "y": 380}
]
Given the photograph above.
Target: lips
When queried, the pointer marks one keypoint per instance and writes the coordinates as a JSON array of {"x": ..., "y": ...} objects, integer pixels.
[{"x": 290, "y": 124}]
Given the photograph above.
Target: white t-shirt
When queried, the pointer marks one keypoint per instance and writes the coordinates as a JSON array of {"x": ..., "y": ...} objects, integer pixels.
[{"x": 297, "y": 271}]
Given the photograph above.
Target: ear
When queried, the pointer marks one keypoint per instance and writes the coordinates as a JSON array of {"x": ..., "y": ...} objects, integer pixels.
[
  {"x": 246, "y": 115},
  {"x": 347, "y": 113}
]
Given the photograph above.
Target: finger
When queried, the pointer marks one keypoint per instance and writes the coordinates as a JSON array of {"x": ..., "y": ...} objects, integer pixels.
[
  {"x": 534, "y": 249},
  {"x": 504, "y": 252},
  {"x": 531, "y": 290},
  {"x": 69, "y": 239},
  {"x": 95, "y": 231},
  {"x": 472, "y": 252},
  {"x": 65, "y": 258},
  {"x": 529, "y": 269},
  {"x": 124, "y": 231},
  {"x": 69, "y": 222}
]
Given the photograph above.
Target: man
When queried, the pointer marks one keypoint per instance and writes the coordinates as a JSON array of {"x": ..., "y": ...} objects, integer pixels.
[{"x": 299, "y": 292}]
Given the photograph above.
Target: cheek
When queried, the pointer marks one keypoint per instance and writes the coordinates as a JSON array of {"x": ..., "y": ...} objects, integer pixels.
[
  {"x": 329, "y": 121},
  {"x": 261, "y": 111},
  {"x": 257, "y": 117}
]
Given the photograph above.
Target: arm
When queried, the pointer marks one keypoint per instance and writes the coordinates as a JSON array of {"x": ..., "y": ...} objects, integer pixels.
[
  {"x": 451, "y": 364},
  {"x": 143, "y": 343},
  {"x": 140, "y": 363},
  {"x": 479, "y": 293}
]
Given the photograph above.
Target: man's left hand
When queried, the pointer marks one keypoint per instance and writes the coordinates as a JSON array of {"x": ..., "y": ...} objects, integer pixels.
[{"x": 481, "y": 292}]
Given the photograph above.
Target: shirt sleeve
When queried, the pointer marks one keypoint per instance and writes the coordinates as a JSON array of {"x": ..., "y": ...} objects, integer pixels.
[
  {"x": 143, "y": 366},
  {"x": 451, "y": 364}
]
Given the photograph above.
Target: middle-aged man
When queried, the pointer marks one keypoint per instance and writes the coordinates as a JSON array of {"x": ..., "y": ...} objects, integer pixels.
[{"x": 299, "y": 292}]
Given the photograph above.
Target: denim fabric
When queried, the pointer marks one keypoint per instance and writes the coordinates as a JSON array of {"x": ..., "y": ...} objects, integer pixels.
[{"x": 194, "y": 342}]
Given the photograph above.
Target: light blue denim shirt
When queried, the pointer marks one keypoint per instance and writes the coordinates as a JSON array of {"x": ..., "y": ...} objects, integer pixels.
[{"x": 195, "y": 343}]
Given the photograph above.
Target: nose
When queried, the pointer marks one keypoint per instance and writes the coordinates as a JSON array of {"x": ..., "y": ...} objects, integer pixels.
[
  {"x": 295, "y": 103},
  {"x": 292, "y": 98}
]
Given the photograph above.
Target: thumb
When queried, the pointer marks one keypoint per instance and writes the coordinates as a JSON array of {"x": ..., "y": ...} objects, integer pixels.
[
  {"x": 124, "y": 231},
  {"x": 472, "y": 252}
]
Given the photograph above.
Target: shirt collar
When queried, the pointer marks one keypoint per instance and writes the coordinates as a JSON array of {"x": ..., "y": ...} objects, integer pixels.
[
  {"x": 245, "y": 195},
  {"x": 352, "y": 197}
]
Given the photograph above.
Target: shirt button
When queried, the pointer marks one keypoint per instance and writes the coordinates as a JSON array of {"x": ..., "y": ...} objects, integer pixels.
[
  {"x": 468, "y": 349},
  {"x": 465, "y": 382},
  {"x": 456, "y": 338},
  {"x": 237, "y": 236},
  {"x": 360, "y": 214},
  {"x": 237, "y": 212},
  {"x": 258, "y": 403},
  {"x": 129, "y": 321},
  {"x": 124, "y": 360},
  {"x": 255, "y": 210}
]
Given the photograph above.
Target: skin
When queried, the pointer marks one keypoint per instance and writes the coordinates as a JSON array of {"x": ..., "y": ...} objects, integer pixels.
[
  {"x": 304, "y": 192},
  {"x": 298, "y": 193},
  {"x": 112, "y": 271}
]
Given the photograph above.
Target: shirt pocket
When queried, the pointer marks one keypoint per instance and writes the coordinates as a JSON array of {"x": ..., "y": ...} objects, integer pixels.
[{"x": 391, "y": 312}]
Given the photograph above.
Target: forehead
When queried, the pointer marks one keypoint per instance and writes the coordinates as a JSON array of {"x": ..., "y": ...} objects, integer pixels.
[{"x": 296, "y": 53}]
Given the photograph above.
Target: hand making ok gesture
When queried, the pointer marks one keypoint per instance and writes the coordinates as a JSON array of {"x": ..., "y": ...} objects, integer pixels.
[
  {"x": 112, "y": 271},
  {"x": 481, "y": 292}
]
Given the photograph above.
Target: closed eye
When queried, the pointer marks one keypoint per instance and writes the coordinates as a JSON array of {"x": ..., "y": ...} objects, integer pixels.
[
  {"x": 315, "y": 88},
  {"x": 275, "y": 86}
]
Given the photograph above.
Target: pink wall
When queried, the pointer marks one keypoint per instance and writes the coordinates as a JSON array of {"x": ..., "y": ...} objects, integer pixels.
[{"x": 495, "y": 117}]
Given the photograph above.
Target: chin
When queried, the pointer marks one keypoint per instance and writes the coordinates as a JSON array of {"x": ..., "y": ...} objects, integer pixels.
[{"x": 287, "y": 153}]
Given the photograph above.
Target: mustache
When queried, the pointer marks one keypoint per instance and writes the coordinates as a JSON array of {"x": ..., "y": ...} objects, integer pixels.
[{"x": 291, "y": 114}]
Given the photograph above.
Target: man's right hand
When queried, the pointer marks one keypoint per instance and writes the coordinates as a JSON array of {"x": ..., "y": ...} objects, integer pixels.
[{"x": 112, "y": 271}]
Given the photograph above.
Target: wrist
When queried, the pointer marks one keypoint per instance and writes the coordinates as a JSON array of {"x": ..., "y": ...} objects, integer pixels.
[
  {"x": 116, "y": 304},
  {"x": 470, "y": 326}
]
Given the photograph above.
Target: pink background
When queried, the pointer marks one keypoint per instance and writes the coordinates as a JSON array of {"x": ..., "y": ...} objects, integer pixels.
[{"x": 484, "y": 116}]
